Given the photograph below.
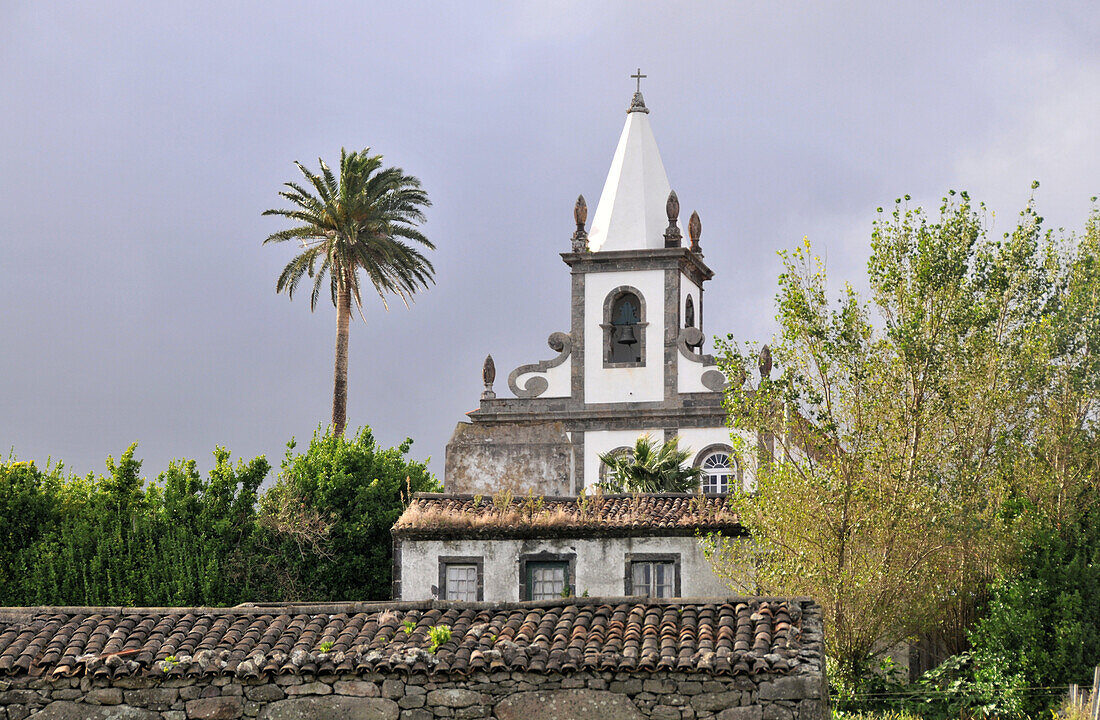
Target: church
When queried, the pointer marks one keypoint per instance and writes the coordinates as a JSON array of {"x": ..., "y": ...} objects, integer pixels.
[{"x": 521, "y": 517}]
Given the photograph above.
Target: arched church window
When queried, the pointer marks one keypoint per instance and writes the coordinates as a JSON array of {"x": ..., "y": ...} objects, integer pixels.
[
  {"x": 719, "y": 470},
  {"x": 689, "y": 313},
  {"x": 627, "y": 452},
  {"x": 624, "y": 328}
]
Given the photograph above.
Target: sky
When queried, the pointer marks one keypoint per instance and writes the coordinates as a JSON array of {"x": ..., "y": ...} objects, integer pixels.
[{"x": 140, "y": 143}]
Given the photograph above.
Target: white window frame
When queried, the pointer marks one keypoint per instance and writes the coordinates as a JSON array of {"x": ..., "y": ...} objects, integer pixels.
[{"x": 713, "y": 481}]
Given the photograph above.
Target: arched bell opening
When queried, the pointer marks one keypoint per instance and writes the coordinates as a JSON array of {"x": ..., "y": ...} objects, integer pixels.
[{"x": 624, "y": 328}]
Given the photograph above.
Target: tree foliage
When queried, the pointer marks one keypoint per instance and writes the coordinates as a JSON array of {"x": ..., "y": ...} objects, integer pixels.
[
  {"x": 1041, "y": 629},
  {"x": 917, "y": 436},
  {"x": 650, "y": 467},
  {"x": 115, "y": 540},
  {"x": 356, "y": 490},
  {"x": 186, "y": 540}
]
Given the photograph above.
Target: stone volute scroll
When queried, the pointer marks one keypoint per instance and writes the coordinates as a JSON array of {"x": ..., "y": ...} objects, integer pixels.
[
  {"x": 580, "y": 216},
  {"x": 488, "y": 376},
  {"x": 689, "y": 340},
  {"x": 695, "y": 229},
  {"x": 560, "y": 342},
  {"x": 673, "y": 237}
]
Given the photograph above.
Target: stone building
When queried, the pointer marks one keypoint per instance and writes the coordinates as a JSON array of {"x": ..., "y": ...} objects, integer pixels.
[
  {"x": 575, "y": 659},
  {"x": 631, "y": 361},
  {"x": 461, "y": 547}
]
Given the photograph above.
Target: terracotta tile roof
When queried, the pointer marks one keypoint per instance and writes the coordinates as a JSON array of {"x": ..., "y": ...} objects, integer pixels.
[
  {"x": 726, "y": 637},
  {"x": 441, "y": 515}
]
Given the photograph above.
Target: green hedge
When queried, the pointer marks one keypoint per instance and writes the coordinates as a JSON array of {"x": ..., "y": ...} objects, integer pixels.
[{"x": 320, "y": 532}]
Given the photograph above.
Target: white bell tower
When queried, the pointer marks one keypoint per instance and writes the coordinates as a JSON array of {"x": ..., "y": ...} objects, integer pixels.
[{"x": 631, "y": 362}]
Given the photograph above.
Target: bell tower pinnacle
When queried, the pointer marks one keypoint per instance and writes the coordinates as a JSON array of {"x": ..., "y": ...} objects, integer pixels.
[{"x": 630, "y": 214}]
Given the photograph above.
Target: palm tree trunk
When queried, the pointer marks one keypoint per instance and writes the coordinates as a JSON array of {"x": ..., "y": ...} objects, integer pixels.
[{"x": 340, "y": 373}]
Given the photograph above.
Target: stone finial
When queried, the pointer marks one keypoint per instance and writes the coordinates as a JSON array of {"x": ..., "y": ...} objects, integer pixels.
[
  {"x": 673, "y": 237},
  {"x": 488, "y": 376},
  {"x": 637, "y": 104},
  {"x": 695, "y": 229},
  {"x": 580, "y": 216},
  {"x": 765, "y": 362},
  {"x": 672, "y": 207}
]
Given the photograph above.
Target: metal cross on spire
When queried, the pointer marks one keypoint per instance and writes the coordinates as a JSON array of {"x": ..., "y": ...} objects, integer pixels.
[{"x": 637, "y": 104}]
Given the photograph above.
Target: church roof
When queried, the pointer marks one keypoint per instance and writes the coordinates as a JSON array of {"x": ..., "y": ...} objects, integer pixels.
[
  {"x": 631, "y": 212},
  {"x": 438, "y": 515},
  {"x": 735, "y": 636}
]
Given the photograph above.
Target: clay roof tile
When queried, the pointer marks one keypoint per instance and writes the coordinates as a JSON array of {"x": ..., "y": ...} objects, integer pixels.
[{"x": 548, "y": 636}]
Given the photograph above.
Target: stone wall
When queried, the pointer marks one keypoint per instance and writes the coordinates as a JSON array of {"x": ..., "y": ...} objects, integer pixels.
[
  {"x": 517, "y": 457},
  {"x": 500, "y": 695}
]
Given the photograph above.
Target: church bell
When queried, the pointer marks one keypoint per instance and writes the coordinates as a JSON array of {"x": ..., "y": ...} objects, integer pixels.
[{"x": 626, "y": 336}]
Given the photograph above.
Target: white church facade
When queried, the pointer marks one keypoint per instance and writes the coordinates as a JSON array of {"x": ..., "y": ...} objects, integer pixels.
[{"x": 519, "y": 520}]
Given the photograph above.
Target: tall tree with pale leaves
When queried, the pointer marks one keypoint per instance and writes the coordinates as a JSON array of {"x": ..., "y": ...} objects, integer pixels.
[
  {"x": 919, "y": 432},
  {"x": 354, "y": 230}
]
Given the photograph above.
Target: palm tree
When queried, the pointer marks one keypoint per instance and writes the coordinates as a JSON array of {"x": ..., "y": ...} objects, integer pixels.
[
  {"x": 349, "y": 228},
  {"x": 650, "y": 468}
]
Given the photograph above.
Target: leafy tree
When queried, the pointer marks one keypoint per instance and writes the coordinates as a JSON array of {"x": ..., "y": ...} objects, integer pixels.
[
  {"x": 911, "y": 433},
  {"x": 1041, "y": 629},
  {"x": 650, "y": 467},
  {"x": 357, "y": 223},
  {"x": 332, "y": 509}
]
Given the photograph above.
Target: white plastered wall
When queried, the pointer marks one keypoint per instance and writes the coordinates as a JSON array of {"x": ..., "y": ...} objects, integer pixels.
[
  {"x": 557, "y": 379},
  {"x": 598, "y": 442},
  {"x": 599, "y": 567},
  {"x": 633, "y": 384}
]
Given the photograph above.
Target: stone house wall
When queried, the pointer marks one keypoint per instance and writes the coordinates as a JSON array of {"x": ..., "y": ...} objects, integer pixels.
[
  {"x": 501, "y": 695},
  {"x": 600, "y": 565}
]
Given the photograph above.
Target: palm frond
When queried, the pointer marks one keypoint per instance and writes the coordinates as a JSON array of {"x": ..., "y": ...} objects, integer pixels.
[
  {"x": 356, "y": 226},
  {"x": 650, "y": 468},
  {"x": 318, "y": 283},
  {"x": 294, "y": 271}
]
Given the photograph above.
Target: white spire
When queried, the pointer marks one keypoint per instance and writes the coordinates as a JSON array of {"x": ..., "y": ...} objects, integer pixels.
[{"x": 631, "y": 211}]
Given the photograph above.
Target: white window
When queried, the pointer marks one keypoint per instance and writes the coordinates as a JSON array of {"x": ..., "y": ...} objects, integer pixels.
[
  {"x": 461, "y": 582},
  {"x": 717, "y": 473},
  {"x": 653, "y": 579}
]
